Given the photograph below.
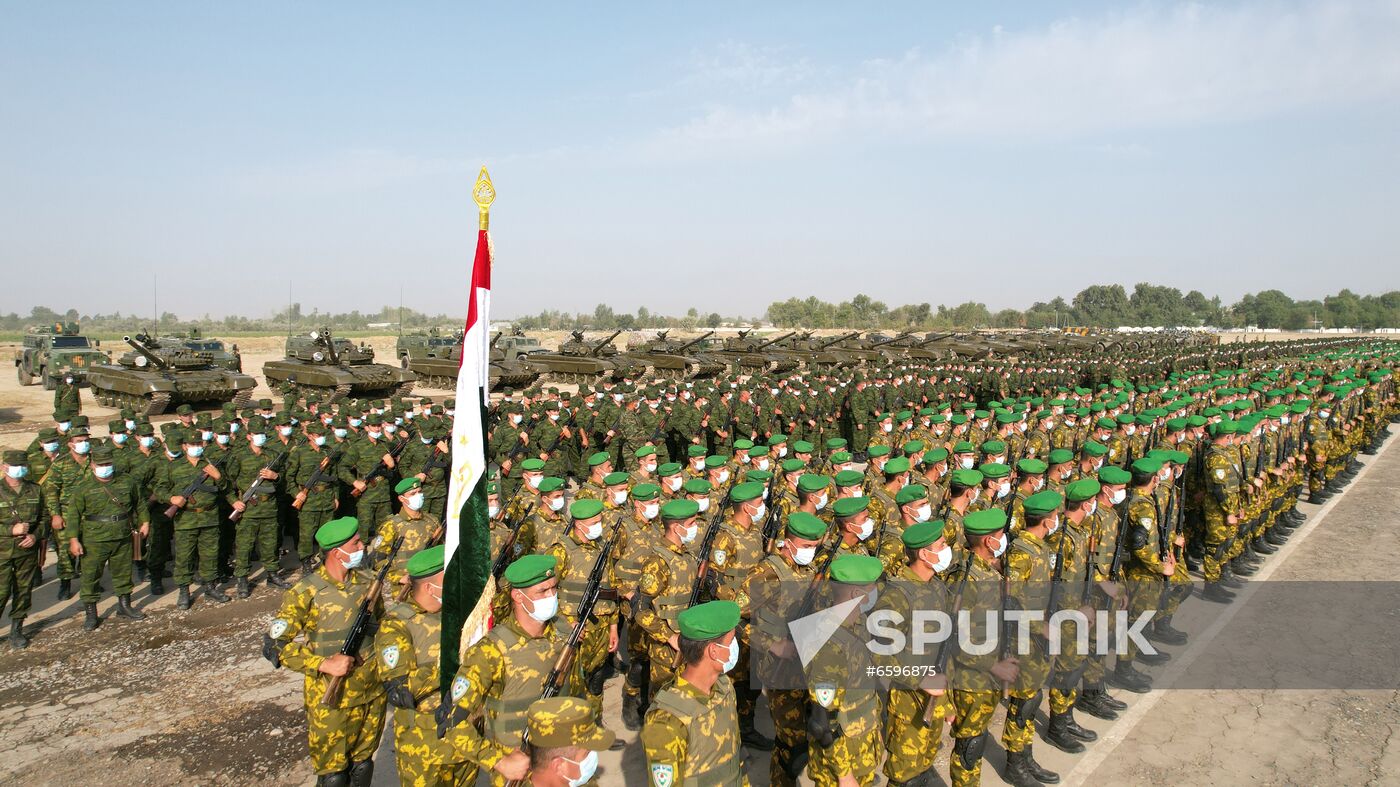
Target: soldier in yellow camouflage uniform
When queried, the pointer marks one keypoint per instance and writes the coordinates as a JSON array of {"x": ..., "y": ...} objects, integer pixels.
[
  {"x": 307, "y": 635},
  {"x": 738, "y": 549},
  {"x": 664, "y": 585},
  {"x": 691, "y": 735},
  {"x": 1148, "y": 570},
  {"x": 911, "y": 741},
  {"x": 1219, "y": 507},
  {"x": 575, "y": 552},
  {"x": 419, "y": 529},
  {"x": 409, "y": 646},
  {"x": 566, "y": 740},
  {"x": 634, "y": 544}
]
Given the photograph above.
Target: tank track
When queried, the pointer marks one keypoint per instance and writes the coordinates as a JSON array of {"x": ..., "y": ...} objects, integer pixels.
[
  {"x": 243, "y": 398},
  {"x": 341, "y": 392},
  {"x": 156, "y": 403},
  {"x": 404, "y": 389}
]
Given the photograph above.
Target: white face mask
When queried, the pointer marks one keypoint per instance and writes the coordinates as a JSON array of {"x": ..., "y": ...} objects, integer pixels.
[
  {"x": 556, "y": 503},
  {"x": 887, "y": 427},
  {"x": 731, "y": 660},
  {"x": 704, "y": 503},
  {"x": 130, "y": 425},
  {"x": 17, "y": 472},
  {"x": 50, "y": 447},
  {"x": 866, "y": 529},
  {"x": 868, "y": 603},
  {"x": 373, "y": 434},
  {"x": 194, "y": 451},
  {"x": 104, "y": 471},
  {"x": 965, "y": 463},
  {"x": 207, "y": 435},
  {"x": 723, "y": 476},
  {"x": 515, "y": 419},
  {"x": 592, "y": 531},
  {"x": 650, "y": 467},
  {"x": 1001, "y": 546},
  {"x": 762, "y": 464},
  {"x": 650, "y": 510},
  {"x": 222, "y": 439},
  {"x": 924, "y": 514},
  {"x": 688, "y": 535},
  {"x": 619, "y": 498},
  {"x": 586, "y": 769},
  {"x": 354, "y": 559},
  {"x": 1003, "y": 490},
  {"x": 543, "y": 610},
  {"x": 492, "y": 510},
  {"x": 759, "y": 512},
  {"x": 1055, "y": 525},
  {"x": 341, "y": 433},
  {"x": 1119, "y": 496},
  {"x": 673, "y": 483},
  {"x": 822, "y": 501},
  {"x": 285, "y": 431},
  {"x": 534, "y": 481},
  {"x": 1039, "y": 484},
  {"x": 945, "y": 559},
  {"x": 233, "y": 427},
  {"x": 803, "y": 556},
  {"x": 319, "y": 439},
  {"x": 415, "y": 503},
  {"x": 82, "y": 448},
  {"x": 259, "y": 440}
]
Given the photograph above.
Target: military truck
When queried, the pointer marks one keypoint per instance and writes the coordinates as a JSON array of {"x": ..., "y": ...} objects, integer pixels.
[
  {"x": 51, "y": 351},
  {"x": 222, "y": 355},
  {"x": 322, "y": 364},
  {"x": 432, "y": 344},
  {"x": 158, "y": 373}
]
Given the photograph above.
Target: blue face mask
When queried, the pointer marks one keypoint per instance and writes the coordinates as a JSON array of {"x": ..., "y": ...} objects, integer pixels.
[
  {"x": 119, "y": 438},
  {"x": 355, "y": 422},
  {"x": 147, "y": 442},
  {"x": 104, "y": 471},
  {"x": 259, "y": 440},
  {"x": 17, "y": 472},
  {"x": 82, "y": 448},
  {"x": 194, "y": 451},
  {"x": 341, "y": 433}
]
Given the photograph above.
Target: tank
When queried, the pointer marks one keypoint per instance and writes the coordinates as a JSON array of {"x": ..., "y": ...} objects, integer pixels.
[
  {"x": 581, "y": 361},
  {"x": 815, "y": 352},
  {"x": 320, "y": 363},
  {"x": 671, "y": 359},
  {"x": 222, "y": 355},
  {"x": 157, "y": 374},
  {"x": 748, "y": 355},
  {"x": 441, "y": 368},
  {"x": 870, "y": 349}
]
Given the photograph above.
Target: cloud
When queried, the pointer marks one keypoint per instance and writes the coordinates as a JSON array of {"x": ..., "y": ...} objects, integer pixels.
[{"x": 1149, "y": 67}]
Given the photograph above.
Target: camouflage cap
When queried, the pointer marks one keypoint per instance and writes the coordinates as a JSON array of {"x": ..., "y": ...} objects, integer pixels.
[
  {"x": 15, "y": 458},
  {"x": 558, "y": 722}
]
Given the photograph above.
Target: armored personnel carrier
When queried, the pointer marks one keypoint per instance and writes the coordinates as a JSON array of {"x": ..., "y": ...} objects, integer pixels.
[
  {"x": 670, "y": 359},
  {"x": 157, "y": 374},
  {"x": 581, "y": 361},
  {"x": 320, "y": 363}
]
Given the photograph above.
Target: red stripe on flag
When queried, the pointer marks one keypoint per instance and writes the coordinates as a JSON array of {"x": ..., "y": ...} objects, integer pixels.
[{"x": 481, "y": 276}]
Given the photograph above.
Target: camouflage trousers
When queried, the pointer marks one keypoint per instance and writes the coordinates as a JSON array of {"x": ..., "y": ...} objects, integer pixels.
[
  {"x": 63, "y": 559},
  {"x": 437, "y": 506},
  {"x": 1179, "y": 588},
  {"x": 201, "y": 544},
  {"x": 1217, "y": 535},
  {"x": 307, "y": 522},
  {"x": 911, "y": 744},
  {"x": 340, "y": 736},
  {"x": 866, "y": 751},
  {"x": 974, "y": 709},
  {"x": 638, "y": 662},
  {"x": 158, "y": 543},
  {"x": 17, "y": 582},
  {"x": 1144, "y": 595},
  {"x": 419, "y": 754},
  {"x": 262, "y": 533},
  {"x": 1023, "y": 698},
  {"x": 1066, "y": 670},
  {"x": 789, "y": 712},
  {"x": 371, "y": 512},
  {"x": 96, "y": 556}
]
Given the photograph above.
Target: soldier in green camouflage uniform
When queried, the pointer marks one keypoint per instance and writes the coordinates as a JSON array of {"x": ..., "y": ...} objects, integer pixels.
[
  {"x": 197, "y": 520},
  {"x": 692, "y": 734},
  {"x": 258, "y": 526},
  {"x": 429, "y": 459},
  {"x": 67, "y": 469},
  {"x": 307, "y": 634},
  {"x": 363, "y": 456},
  {"x": 311, "y": 481},
  {"x": 409, "y": 646},
  {"x": 104, "y": 509},
  {"x": 22, "y": 527}
]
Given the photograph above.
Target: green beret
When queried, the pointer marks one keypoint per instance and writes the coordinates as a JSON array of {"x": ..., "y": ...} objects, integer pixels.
[
  {"x": 1042, "y": 503},
  {"x": 841, "y": 457},
  {"x": 792, "y": 465},
  {"x": 645, "y": 491},
  {"x": 670, "y": 468},
  {"x": 921, "y": 534},
  {"x": 1006, "y": 417},
  {"x": 760, "y": 476},
  {"x": 1106, "y": 423},
  {"x": 1083, "y": 489},
  {"x": 803, "y": 447},
  {"x": 534, "y": 464},
  {"x": 805, "y": 525},
  {"x": 530, "y": 570},
  {"x": 877, "y": 450},
  {"x": 849, "y": 478},
  {"x": 492, "y": 488},
  {"x": 853, "y": 569},
  {"x": 426, "y": 562},
  {"x": 1298, "y": 408},
  {"x": 755, "y": 452},
  {"x": 585, "y": 509},
  {"x": 936, "y": 455},
  {"x": 406, "y": 485},
  {"x": 337, "y": 532},
  {"x": 1147, "y": 466},
  {"x": 645, "y": 450},
  {"x": 963, "y": 447},
  {"x": 679, "y": 509},
  {"x": 598, "y": 458},
  {"x": 709, "y": 620},
  {"x": 697, "y": 486},
  {"x": 694, "y": 451},
  {"x": 850, "y": 506},
  {"x": 739, "y": 445},
  {"x": 988, "y": 520},
  {"x": 744, "y": 492},
  {"x": 551, "y": 484},
  {"x": 812, "y": 482},
  {"x": 967, "y": 478},
  {"x": 1176, "y": 424},
  {"x": 1197, "y": 420},
  {"x": 777, "y": 439},
  {"x": 993, "y": 447},
  {"x": 833, "y": 444},
  {"x": 1061, "y": 455},
  {"x": 911, "y": 493},
  {"x": 1094, "y": 449},
  {"x": 994, "y": 470},
  {"x": 912, "y": 447},
  {"x": 614, "y": 479},
  {"x": 1112, "y": 474},
  {"x": 1032, "y": 466},
  {"x": 712, "y": 462},
  {"x": 1179, "y": 457},
  {"x": 896, "y": 466}
]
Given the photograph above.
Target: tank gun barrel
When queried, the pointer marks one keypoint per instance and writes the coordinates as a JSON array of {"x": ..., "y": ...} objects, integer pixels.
[
  {"x": 772, "y": 342},
  {"x": 604, "y": 343},
  {"x": 695, "y": 341},
  {"x": 838, "y": 340},
  {"x": 324, "y": 338},
  {"x": 155, "y": 360}
]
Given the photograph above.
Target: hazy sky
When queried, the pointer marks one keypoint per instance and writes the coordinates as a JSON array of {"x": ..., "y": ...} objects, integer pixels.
[{"x": 716, "y": 155}]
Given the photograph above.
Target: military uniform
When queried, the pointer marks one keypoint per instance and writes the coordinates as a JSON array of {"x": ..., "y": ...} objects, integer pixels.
[
  {"x": 321, "y": 496},
  {"x": 197, "y": 522},
  {"x": 259, "y": 527},
  {"x": 104, "y": 515},
  {"x": 21, "y": 504},
  {"x": 409, "y": 646},
  {"x": 374, "y": 505}
]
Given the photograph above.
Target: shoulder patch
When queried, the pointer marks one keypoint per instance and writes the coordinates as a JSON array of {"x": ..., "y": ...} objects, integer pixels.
[
  {"x": 662, "y": 775},
  {"x": 720, "y": 555},
  {"x": 825, "y": 693},
  {"x": 1145, "y": 521},
  {"x": 277, "y": 629},
  {"x": 1220, "y": 473},
  {"x": 459, "y": 687},
  {"x": 377, "y": 542},
  {"x": 390, "y": 655}
]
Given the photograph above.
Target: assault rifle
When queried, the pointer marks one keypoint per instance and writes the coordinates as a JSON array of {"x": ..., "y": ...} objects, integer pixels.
[
  {"x": 197, "y": 485},
  {"x": 503, "y": 557},
  {"x": 279, "y": 460},
  {"x": 382, "y": 467},
  {"x": 360, "y": 628},
  {"x": 945, "y": 648},
  {"x": 317, "y": 476}
]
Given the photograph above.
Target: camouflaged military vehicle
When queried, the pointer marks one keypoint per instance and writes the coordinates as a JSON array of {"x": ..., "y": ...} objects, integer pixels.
[
  {"x": 815, "y": 352},
  {"x": 335, "y": 368},
  {"x": 223, "y": 356},
  {"x": 581, "y": 361},
  {"x": 870, "y": 349},
  {"x": 672, "y": 359},
  {"x": 157, "y": 374},
  {"x": 432, "y": 344},
  {"x": 51, "y": 351},
  {"x": 749, "y": 355}
]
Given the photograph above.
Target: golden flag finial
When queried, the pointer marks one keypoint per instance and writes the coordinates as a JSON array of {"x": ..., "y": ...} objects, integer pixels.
[{"x": 484, "y": 193}]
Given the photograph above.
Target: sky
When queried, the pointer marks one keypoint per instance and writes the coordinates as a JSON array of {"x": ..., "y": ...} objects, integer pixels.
[{"x": 674, "y": 155}]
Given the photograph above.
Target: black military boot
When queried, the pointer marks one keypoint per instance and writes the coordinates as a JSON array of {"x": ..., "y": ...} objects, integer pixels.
[
  {"x": 1218, "y": 593},
  {"x": 1091, "y": 702},
  {"x": 125, "y": 610},
  {"x": 752, "y": 738},
  {"x": 1153, "y": 659},
  {"x": 90, "y": 620},
  {"x": 341, "y": 779},
  {"x": 139, "y": 567},
  {"x": 1125, "y": 677},
  {"x": 1319, "y": 497},
  {"x": 1037, "y": 770},
  {"x": 17, "y": 638},
  {"x": 1018, "y": 770},
  {"x": 1276, "y": 537},
  {"x": 361, "y": 773},
  {"x": 1082, "y": 733},
  {"x": 1192, "y": 563},
  {"x": 1059, "y": 736},
  {"x": 244, "y": 589},
  {"x": 183, "y": 602},
  {"x": 1242, "y": 568},
  {"x": 1163, "y": 632},
  {"x": 65, "y": 589},
  {"x": 275, "y": 579},
  {"x": 157, "y": 586},
  {"x": 1261, "y": 547},
  {"x": 631, "y": 711},
  {"x": 211, "y": 590}
]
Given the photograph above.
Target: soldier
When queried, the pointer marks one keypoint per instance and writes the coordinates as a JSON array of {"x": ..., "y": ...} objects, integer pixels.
[
  {"x": 65, "y": 394},
  {"x": 311, "y": 481},
  {"x": 429, "y": 459},
  {"x": 196, "y": 489},
  {"x": 253, "y": 475},
  {"x": 858, "y": 534},
  {"x": 104, "y": 509},
  {"x": 575, "y": 552},
  {"x": 22, "y": 527},
  {"x": 634, "y": 545},
  {"x": 409, "y": 646},
  {"x": 664, "y": 586},
  {"x": 692, "y": 732},
  {"x": 566, "y": 742},
  {"x": 1147, "y": 566},
  {"x": 593, "y": 487},
  {"x": 419, "y": 529},
  {"x": 372, "y": 455},
  {"x": 1219, "y": 505},
  {"x": 67, "y": 470},
  {"x": 307, "y": 635}
]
